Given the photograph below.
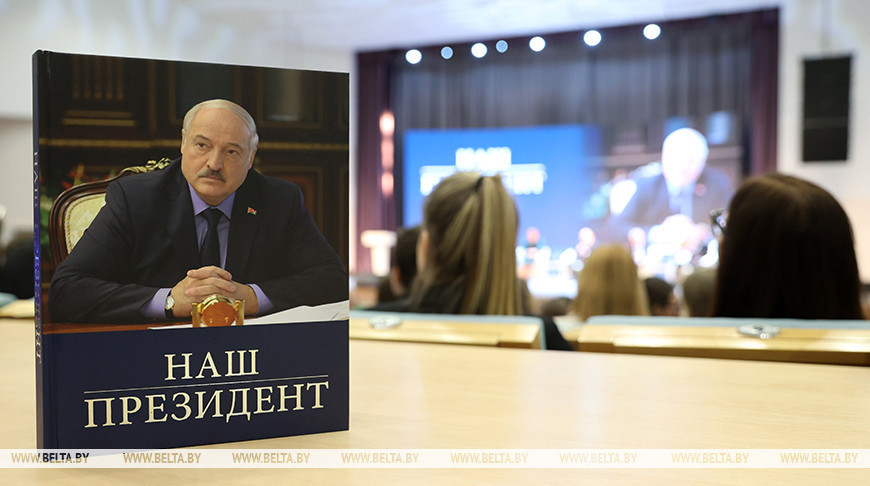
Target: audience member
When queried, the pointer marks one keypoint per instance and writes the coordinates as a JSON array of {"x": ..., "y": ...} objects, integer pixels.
[
  {"x": 787, "y": 252},
  {"x": 403, "y": 267},
  {"x": 16, "y": 271},
  {"x": 557, "y": 306},
  {"x": 662, "y": 301},
  {"x": 609, "y": 285},
  {"x": 698, "y": 291},
  {"x": 466, "y": 254},
  {"x": 466, "y": 258}
]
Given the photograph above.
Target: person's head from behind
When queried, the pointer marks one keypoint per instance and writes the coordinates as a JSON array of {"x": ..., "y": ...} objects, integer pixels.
[
  {"x": 557, "y": 306},
  {"x": 468, "y": 244},
  {"x": 609, "y": 284},
  {"x": 787, "y": 252},
  {"x": 684, "y": 154},
  {"x": 660, "y": 294},
  {"x": 698, "y": 291},
  {"x": 403, "y": 261},
  {"x": 218, "y": 142}
]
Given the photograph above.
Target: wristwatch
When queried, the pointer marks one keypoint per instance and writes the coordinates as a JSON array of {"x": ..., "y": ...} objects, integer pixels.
[{"x": 169, "y": 306}]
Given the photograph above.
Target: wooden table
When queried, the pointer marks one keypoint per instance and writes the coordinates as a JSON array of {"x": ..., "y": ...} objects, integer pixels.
[{"x": 426, "y": 396}]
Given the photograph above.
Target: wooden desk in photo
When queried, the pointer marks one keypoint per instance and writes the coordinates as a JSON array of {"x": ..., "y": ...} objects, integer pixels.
[{"x": 428, "y": 396}]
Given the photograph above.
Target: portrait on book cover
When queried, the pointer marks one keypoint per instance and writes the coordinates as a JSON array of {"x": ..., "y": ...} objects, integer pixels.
[{"x": 162, "y": 183}]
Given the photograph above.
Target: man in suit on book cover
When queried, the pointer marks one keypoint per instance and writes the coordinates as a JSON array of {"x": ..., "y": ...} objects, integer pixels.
[{"x": 206, "y": 224}]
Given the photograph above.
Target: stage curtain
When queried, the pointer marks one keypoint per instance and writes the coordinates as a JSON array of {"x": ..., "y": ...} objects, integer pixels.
[{"x": 626, "y": 85}]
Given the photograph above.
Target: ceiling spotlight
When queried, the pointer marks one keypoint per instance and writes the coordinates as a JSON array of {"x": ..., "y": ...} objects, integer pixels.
[
  {"x": 478, "y": 50},
  {"x": 501, "y": 46},
  {"x": 537, "y": 44},
  {"x": 413, "y": 56},
  {"x": 446, "y": 52},
  {"x": 592, "y": 38},
  {"x": 652, "y": 31}
]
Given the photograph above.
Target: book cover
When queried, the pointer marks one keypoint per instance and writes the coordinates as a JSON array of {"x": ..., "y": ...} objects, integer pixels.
[{"x": 113, "y": 371}]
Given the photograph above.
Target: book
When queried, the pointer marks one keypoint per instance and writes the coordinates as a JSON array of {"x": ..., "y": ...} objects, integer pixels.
[{"x": 108, "y": 381}]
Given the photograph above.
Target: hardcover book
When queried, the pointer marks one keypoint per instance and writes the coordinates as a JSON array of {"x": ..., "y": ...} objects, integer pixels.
[{"x": 127, "y": 153}]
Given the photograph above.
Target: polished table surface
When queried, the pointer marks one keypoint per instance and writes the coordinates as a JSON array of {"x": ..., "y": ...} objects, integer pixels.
[{"x": 429, "y": 396}]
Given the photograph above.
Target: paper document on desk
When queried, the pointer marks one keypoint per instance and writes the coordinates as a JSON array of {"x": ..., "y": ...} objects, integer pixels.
[{"x": 336, "y": 311}]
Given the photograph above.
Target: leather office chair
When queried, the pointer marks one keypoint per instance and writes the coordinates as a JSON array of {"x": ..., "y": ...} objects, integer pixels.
[{"x": 75, "y": 208}]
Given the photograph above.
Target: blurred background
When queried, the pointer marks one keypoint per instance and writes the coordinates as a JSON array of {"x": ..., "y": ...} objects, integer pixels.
[{"x": 586, "y": 110}]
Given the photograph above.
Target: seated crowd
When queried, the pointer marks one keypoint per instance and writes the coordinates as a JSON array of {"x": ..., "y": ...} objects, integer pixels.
[{"x": 786, "y": 251}]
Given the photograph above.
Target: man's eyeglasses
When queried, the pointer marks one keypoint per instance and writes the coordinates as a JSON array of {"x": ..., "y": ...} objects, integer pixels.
[{"x": 719, "y": 219}]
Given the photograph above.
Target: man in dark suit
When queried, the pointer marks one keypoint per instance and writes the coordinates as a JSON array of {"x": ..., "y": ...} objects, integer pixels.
[
  {"x": 684, "y": 185},
  {"x": 206, "y": 224},
  {"x": 677, "y": 195}
]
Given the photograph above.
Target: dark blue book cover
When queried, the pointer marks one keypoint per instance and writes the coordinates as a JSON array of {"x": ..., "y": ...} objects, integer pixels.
[{"x": 116, "y": 371}]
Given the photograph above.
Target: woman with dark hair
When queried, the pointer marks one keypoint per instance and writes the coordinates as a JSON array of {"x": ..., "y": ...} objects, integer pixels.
[
  {"x": 787, "y": 251},
  {"x": 403, "y": 268},
  {"x": 660, "y": 294}
]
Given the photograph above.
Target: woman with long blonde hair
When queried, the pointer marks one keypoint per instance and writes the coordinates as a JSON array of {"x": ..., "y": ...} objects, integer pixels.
[
  {"x": 466, "y": 256},
  {"x": 609, "y": 285}
]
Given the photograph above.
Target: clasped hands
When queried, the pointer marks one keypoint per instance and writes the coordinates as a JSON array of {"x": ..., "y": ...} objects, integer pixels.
[{"x": 202, "y": 282}]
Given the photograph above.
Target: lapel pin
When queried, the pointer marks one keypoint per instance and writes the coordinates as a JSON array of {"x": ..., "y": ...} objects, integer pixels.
[{"x": 252, "y": 211}]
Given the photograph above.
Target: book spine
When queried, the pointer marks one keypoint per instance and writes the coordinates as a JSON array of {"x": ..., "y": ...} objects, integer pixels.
[{"x": 41, "y": 127}]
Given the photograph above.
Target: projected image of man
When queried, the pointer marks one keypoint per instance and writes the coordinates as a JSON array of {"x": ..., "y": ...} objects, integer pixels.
[{"x": 673, "y": 199}]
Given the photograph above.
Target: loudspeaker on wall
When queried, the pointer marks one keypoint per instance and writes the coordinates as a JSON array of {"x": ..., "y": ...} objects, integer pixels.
[{"x": 825, "y": 130}]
